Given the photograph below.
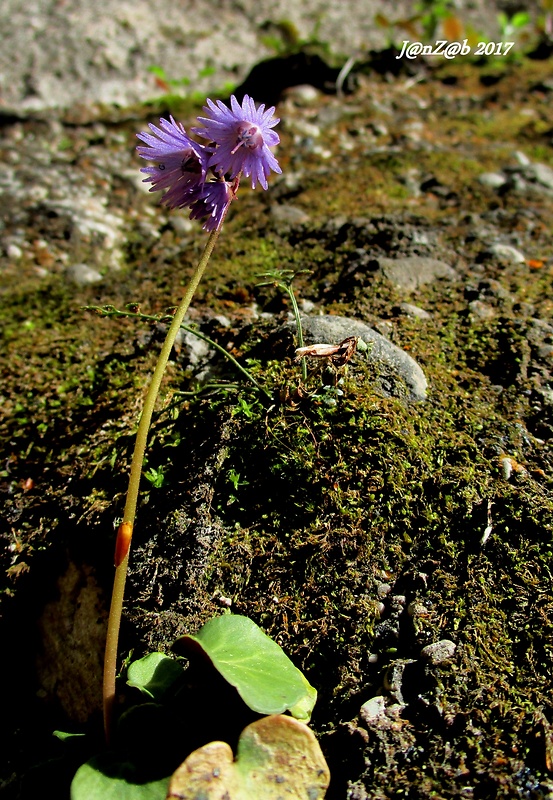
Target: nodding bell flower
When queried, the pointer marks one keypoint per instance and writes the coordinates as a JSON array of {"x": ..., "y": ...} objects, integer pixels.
[{"x": 192, "y": 175}]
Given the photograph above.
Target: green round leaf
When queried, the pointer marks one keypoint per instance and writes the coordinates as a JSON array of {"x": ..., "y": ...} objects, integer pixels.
[
  {"x": 266, "y": 679},
  {"x": 108, "y": 779},
  {"x": 154, "y": 674}
]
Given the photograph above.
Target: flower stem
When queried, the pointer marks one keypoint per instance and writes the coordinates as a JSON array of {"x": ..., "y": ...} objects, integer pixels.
[{"x": 124, "y": 534}]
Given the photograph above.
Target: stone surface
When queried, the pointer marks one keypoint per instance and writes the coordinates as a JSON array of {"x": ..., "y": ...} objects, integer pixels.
[
  {"x": 83, "y": 275},
  {"x": 412, "y": 272},
  {"x": 492, "y": 179},
  {"x": 439, "y": 651},
  {"x": 288, "y": 215},
  {"x": 541, "y": 174},
  {"x": 72, "y": 633},
  {"x": 508, "y": 252},
  {"x": 395, "y": 362},
  {"x": 414, "y": 311},
  {"x": 373, "y": 709},
  {"x": 59, "y": 54}
]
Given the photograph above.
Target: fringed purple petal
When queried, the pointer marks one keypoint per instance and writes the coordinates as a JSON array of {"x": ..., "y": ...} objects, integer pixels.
[{"x": 242, "y": 136}]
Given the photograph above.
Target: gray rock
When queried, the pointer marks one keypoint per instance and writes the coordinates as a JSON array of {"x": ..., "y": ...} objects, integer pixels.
[
  {"x": 306, "y": 306},
  {"x": 541, "y": 174},
  {"x": 197, "y": 349},
  {"x": 56, "y": 55},
  {"x": 71, "y": 202},
  {"x": 181, "y": 225},
  {"x": 393, "y": 678},
  {"x": 494, "y": 290},
  {"x": 546, "y": 328},
  {"x": 414, "y": 311},
  {"x": 289, "y": 215},
  {"x": 379, "y": 714},
  {"x": 303, "y": 95},
  {"x": 507, "y": 252},
  {"x": 522, "y": 158},
  {"x": 396, "y": 365},
  {"x": 373, "y": 709},
  {"x": 83, "y": 275},
  {"x": 413, "y": 271},
  {"x": 492, "y": 179},
  {"x": 481, "y": 310},
  {"x": 440, "y": 651},
  {"x": 14, "y": 252}
]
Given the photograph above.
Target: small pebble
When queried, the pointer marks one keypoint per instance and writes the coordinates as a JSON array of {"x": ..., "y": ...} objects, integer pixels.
[
  {"x": 506, "y": 467},
  {"x": 372, "y": 709},
  {"x": 522, "y": 158},
  {"x": 508, "y": 252},
  {"x": 481, "y": 310},
  {"x": 439, "y": 651},
  {"x": 182, "y": 225},
  {"x": 305, "y": 128},
  {"x": 492, "y": 179},
  {"x": 289, "y": 215},
  {"x": 417, "y": 609},
  {"x": 306, "y": 306},
  {"x": 414, "y": 311},
  {"x": 393, "y": 678},
  {"x": 83, "y": 275},
  {"x": 14, "y": 252},
  {"x": 379, "y": 129},
  {"x": 304, "y": 94},
  {"x": 540, "y": 173}
]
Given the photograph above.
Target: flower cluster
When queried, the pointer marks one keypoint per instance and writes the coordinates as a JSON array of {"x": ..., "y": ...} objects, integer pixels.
[{"x": 204, "y": 177}]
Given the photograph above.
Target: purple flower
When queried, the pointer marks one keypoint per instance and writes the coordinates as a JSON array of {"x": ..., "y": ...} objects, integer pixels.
[
  {"x": 241, "y": 138},
  {"x": 192, "y": 174},
  {"x": 213, "y": 201},
  {"x": 181, "y": 163}
]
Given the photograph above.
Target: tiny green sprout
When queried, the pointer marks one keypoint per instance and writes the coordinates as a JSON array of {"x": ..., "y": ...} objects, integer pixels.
[
  {"x": 244, "y": 407},
  {"x": 508, "y": 26},
  {"x": 283, "y": 278},
  {"x": 158, "y": 71},
  {"x": 207, "y": 71},
  {"x": 234, "y": 478},
  {"x": 156, "y": 476}
]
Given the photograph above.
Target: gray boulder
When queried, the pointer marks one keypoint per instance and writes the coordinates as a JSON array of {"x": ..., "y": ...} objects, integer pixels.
[{"x": 398, "y": 370}]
